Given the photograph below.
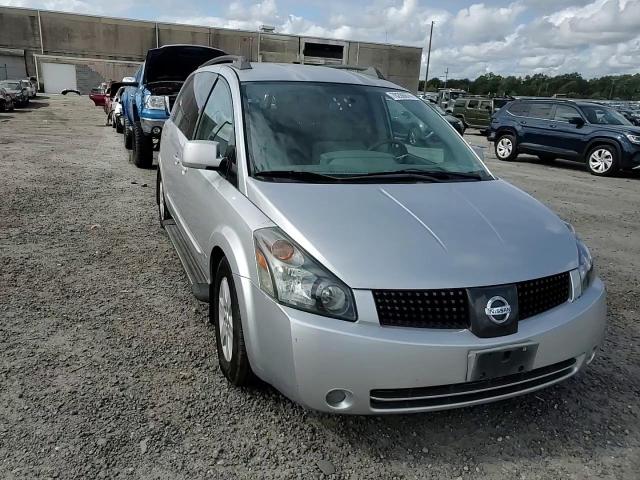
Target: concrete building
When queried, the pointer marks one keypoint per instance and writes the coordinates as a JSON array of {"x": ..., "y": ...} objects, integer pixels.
[{"x": 80, "y": 51}]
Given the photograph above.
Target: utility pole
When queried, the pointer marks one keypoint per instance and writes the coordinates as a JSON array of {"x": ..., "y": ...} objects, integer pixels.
[
  {"x": 446, "y": 77},
  {"x": 426, "y": 74}
]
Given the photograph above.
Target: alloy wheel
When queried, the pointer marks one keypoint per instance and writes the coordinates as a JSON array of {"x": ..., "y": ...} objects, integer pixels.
[
  {"x": 601, "y": 160},
  {"x": 225, "y": 319},
  {"x": 504, "y": 148}
]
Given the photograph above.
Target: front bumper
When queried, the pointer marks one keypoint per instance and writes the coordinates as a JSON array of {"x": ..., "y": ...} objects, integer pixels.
[
  {"x": 307, "y": 356},
  {"x": 148, "y": 124}
]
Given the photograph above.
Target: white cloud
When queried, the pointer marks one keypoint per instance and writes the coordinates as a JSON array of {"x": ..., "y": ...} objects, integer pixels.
[{"x": 480, "y": 23}]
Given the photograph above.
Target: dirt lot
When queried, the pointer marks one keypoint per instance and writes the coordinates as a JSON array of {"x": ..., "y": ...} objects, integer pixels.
[{"x": 107, "y": 362}]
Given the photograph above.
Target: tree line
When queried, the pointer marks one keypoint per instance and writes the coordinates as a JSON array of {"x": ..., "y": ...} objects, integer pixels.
[{"x": 620, "y": 87}]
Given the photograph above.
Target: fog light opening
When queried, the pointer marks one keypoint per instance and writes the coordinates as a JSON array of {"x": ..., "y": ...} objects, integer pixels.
[
  {"x": 339, "y": 399},
  {"x": 155, "y": 130}
]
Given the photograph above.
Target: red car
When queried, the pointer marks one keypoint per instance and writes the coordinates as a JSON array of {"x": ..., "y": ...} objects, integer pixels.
[{"x": 99, "y": 95}]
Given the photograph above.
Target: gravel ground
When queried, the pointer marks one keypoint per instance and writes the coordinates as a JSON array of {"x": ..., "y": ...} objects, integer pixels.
[{"x": 108, "y": 366}]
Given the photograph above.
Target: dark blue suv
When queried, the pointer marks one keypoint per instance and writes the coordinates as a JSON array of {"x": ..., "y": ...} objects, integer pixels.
[{"x": 574, "y": 130}]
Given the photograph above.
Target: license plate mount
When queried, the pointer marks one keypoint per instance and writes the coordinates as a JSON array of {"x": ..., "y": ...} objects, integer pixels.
[{"x": 500, "y": 362}]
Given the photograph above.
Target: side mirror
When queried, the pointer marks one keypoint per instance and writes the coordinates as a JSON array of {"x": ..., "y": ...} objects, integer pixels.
[
  {"x": 201, "y": 154},
  {"x": 577, "y": 121}
]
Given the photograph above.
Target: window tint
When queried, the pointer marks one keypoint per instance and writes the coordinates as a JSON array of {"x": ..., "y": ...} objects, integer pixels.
[
  {"x": 473, "y": 104},
  {"x": 564, "y": 113},
  {"x": 540, "y": 110},
  {"x": 520, "y": 109},
  {"x": 191, "y": 100},
  {"x": 216, "y": 123},
  {"x": 185, "y": 112}
]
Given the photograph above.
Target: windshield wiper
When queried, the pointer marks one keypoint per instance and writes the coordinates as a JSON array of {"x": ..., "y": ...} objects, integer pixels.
[
  {"x": 301, "y": 176},
  {"x": 435, "y": 176}
]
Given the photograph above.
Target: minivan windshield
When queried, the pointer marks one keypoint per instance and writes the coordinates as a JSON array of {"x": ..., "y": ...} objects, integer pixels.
[
  {"x": 599, "y": 114},
  {"x": 326, "y": 131}
]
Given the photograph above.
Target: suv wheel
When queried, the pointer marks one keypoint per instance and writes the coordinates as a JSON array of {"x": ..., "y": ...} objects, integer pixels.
[
  {"x": 225, "y": 314},
  {"x": 128, "y": 140},
  {"x": 505, "y": 147},
  {"x": 602, "y": 160},
  {"x": 142, "y": 151}
]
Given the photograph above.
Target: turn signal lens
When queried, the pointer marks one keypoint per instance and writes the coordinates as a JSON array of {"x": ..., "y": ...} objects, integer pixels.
[
  {"x": 282, "y": 250},
  {"x": 264, "y": 274}
]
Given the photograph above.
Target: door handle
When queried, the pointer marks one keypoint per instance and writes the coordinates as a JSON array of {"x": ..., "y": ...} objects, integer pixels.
[
  {"x": 552, "y": 125},
  {"x": 523, "y": 122}
]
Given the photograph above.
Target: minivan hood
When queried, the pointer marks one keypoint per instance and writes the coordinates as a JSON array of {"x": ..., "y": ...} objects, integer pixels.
[
  {"x": 422, "y": 235},
  {"x": 176, "y": 62}
]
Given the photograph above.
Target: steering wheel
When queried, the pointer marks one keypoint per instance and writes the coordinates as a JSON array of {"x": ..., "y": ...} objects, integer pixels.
[{"x": 402, "y": 150}]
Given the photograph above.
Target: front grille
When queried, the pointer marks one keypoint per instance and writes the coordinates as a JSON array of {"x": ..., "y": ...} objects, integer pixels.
[
  {"x": 537, "y": 296},
  {"x": 460, "y": 394},
  {"x": 450, "y": 309},
  {"x": 423, "y": 308}
]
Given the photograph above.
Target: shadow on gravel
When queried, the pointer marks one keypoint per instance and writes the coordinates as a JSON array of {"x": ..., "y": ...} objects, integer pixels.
[
  {"x": 5, "y": 118},
  {"x": 33, "y": 105}
]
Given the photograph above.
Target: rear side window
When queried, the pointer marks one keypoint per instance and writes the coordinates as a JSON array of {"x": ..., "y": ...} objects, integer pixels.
[
  {"x": 460, "y": 102},
  {"x": 485, "y": 105},
  {"x": 473, "y": 104},
  {"x": 540, "y": 110},
  {"x": 519, "y": 109},
  {"x": 564, "y": 113}
]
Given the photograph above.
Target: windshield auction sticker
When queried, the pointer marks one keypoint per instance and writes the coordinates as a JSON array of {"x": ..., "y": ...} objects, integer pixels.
[{"x": 402, "y": 96}]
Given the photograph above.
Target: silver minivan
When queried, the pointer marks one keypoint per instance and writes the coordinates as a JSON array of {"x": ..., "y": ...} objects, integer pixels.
[{"x": 357, "y": 272}]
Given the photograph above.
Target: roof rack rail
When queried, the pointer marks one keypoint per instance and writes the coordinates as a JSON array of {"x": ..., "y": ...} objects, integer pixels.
[
  {"x": 369, "y": 71},
  {"x": 236, "y": 61}
]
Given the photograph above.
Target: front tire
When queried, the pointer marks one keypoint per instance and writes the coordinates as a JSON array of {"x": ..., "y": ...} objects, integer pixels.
[
  {"x": 602, "y": 161},
  {"x": 225, "y": 315},
  {"x": 505, "y": 148},
  {"x": 118, "y": 125},
  {"x": 142, "y": 151}
]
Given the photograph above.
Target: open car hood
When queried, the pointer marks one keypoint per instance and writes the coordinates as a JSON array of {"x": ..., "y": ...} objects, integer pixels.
[{"x": 174, "y": 63}]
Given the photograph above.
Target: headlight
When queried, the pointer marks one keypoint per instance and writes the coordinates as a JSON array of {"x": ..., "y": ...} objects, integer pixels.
[
  {"x": 291, "y": 276},
  {"x": 154, "y": 102},
  {"x": 585, "y": 264},
  {"x": 633, "y": 138},
  {"x": 585, "y": 260}
]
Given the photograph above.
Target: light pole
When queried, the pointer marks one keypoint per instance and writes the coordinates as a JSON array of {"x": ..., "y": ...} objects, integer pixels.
[
  {"x": 426, "y": 73},
  {"x": 446, "y": 77}
]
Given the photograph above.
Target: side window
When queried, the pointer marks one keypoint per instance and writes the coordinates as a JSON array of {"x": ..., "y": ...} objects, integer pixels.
[
  {"x": 216, "y": 123},
  {"x": 564, "y": 113},
  {"x": 541, "y": 110},
  {"x": 460, "y": 103},
  {"x": 519, "y": 109},
  {"x": 185, "y": 111},
  {"x": 473, "y": 104},
  {"x": 485, "y": 105}
]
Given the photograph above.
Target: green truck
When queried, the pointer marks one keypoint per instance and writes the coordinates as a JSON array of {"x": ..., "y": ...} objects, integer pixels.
[{"x": 476, "y": 112}]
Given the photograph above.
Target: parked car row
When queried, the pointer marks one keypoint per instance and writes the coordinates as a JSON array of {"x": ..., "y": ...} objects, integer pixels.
[{"x": 16, "y": 93}]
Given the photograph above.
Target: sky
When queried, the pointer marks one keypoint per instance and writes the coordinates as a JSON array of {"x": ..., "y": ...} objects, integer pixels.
[{"x": 592, "y": 37}]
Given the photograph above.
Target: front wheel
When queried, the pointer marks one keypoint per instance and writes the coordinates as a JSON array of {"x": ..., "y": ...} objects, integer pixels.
[
  {"x": 505, "y": 148},
  {"x": 602, "y": 161},
  {"x": 142, "y": 147},
  {"x": 225, "y": 314},
  {"x": 118, "y": 124}
]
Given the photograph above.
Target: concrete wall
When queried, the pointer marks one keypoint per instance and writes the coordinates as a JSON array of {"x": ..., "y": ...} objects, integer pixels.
[{"x": 86, "y": 36}]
